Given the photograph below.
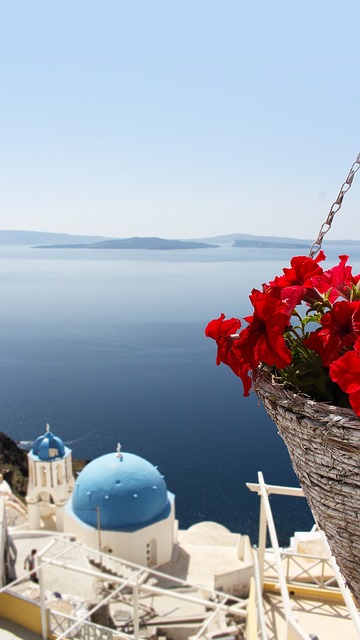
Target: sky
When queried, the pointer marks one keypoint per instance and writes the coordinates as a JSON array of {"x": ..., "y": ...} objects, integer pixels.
[{"x": 179, "y": 119}]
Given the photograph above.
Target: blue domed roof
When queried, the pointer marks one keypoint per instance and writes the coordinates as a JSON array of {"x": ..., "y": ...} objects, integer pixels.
[
  {"x": 48, "y": 447},
  {"x": 120, "y": 492}
]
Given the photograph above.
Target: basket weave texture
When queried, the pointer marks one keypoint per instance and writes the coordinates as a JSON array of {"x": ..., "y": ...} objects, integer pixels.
[{"x": 324, "y": 446}]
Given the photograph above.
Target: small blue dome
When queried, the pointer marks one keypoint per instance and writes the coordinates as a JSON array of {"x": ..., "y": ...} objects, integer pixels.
[
  {"x": 48, "y": 447},
  {"x": 120, "y": 493}
]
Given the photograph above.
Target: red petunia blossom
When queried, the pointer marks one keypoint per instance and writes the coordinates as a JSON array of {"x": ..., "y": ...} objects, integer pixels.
[
  {"x": 263, "y": 340},
  {"x": 292, "y": 296},
  {"x": 337, "y": 281},
  {"x": 340, "y": 330},
  {"x": 297, "y": 283},
  {"x": 238, "y": 365},
  {"x": 223, "y": 331},
  {"x": 333, "y": 297},
  {"x": 346, "y": 373}
]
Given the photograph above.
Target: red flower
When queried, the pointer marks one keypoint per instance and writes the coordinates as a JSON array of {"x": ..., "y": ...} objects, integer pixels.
[
  {"x": 338, "y": 280},
  {"x": 238, "y": 365},
  {"x": 341, "y": 329},
  {"x": 263, "y": 340},
  {"x": 269, "y": 334},
  {"x": 303, "y": 269},
  {"x": 223, "y": 332},
  {"x": 346, "y": 373},
  {"x": 297, "y": 283}
]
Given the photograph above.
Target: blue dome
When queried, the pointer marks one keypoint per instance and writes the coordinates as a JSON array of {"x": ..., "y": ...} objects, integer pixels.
[
  {"x": 48, "y": 447},
  {"x": 124, "y": 493}
]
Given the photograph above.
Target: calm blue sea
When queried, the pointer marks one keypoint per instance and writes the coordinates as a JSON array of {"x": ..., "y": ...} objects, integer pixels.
[{"x": 109, "y": 346}]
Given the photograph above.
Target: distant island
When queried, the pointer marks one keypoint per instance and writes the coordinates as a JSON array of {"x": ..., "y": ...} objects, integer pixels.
[
  {"x": 134, "y": 243},
  {"x": 51, "y": 240}
]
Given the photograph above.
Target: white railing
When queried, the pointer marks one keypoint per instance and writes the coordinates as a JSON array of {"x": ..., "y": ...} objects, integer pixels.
[
  {"x": 65, "y": 626},
  {"x": 61, "y": 623},
  {"x": 261, "y": 625},
  {"x": 294, "y": 630},
  {"x": 318, "y": 572},
  {"x": 323, "y": 573}
]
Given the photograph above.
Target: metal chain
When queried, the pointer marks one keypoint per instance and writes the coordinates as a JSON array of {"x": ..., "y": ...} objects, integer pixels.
[{"x": 325, "y": 227}]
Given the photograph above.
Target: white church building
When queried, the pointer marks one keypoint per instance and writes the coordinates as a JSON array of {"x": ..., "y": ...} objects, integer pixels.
[
  {"x": 118, "y": 504},
  {"x": 51, "y": 481}
]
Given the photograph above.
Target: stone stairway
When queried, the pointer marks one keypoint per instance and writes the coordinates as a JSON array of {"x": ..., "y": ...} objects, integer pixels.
[{"x": 111, "y": 565}]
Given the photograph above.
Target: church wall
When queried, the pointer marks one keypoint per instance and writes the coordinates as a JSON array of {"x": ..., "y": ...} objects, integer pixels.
[
  {"x": 149, "y": 546},
  {"x": 81, "y": 531}
]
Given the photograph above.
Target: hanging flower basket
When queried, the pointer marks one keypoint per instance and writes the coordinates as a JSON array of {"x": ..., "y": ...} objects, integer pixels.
[
  {"x": 324, "y": 446},
  {"x": 300, "y": 351}
]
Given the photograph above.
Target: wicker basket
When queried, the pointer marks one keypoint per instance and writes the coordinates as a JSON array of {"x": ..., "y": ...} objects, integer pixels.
[{"x": 324, "y": 445}]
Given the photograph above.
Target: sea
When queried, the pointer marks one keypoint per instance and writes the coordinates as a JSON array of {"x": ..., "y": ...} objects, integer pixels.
[{"x": 108, "y": 346}]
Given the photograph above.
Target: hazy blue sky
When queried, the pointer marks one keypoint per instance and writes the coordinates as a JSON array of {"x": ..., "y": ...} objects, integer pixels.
[{"x": 176, "y": 118}]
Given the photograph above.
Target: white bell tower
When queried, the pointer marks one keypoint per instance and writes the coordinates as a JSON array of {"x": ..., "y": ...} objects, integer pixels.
[{"x": 51, "y": 481}]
